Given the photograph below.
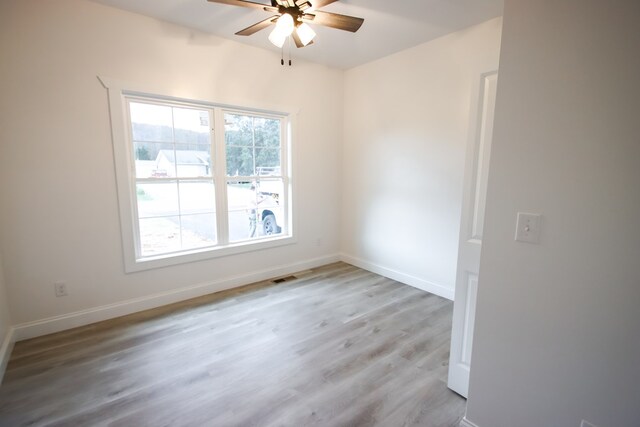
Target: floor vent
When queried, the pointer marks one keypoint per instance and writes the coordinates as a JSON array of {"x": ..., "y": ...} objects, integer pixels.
[{"x": 284, "y": 279}]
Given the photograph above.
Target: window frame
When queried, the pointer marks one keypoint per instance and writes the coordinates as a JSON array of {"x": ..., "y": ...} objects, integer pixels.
[
  {"x": 119, "y": 95},
  {"x": 283, "y": 176}
]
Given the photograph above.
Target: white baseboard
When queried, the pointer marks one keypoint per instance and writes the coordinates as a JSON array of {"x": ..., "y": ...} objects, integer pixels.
[
  {"x": 84, "y": 317},
  {"x": 466, "y": 423},
  {"x": 63, "y": 322},
  {"x": 5, "y": 350},
  {"x": 407, "y": 279}
]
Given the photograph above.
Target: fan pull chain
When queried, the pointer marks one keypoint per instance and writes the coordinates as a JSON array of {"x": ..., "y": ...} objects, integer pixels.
[{"x": 282, "y": 53}]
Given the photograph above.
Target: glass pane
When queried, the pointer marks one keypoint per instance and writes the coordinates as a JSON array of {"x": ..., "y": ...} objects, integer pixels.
[
  {"x": 240, "y": 161},
  {"x": 266, "y": 132},
  {"x": 159, "y": 235},
  {"x": 267, "y": 161},
  {"x": 270, "y": 188},
  {"x": 186, "y": 161},
  {"x": 239, "y": 195},
  {"x": 150, "y": 122},
  {"x": 240, "y": 226},
  {"x": 238, "y": 130},
  {"x": 157, "y": 199},
  {"x": 191, "y": 126},
  {"x": 146, "y": 158},
  {"x": 198, "y": 230},
  {"x": 255, "y": 209},
  {"x": 270, "y": 200},
  {"x": 252, "y": 145},
  {"x": 197, "y": 197}
]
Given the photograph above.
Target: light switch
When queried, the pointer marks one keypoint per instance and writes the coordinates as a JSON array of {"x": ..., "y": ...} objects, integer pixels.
[{"x": 528, "y": 227}]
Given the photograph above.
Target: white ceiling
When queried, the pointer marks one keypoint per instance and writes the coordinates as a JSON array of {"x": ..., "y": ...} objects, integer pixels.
[{"x": 389, "y": 25}]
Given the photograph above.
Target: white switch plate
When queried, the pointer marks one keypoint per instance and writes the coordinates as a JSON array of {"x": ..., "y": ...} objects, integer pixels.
[{"x": 528, "y": 227}]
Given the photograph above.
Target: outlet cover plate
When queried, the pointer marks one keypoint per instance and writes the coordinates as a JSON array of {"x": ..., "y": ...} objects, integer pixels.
[{"x": 60, "y": 289}]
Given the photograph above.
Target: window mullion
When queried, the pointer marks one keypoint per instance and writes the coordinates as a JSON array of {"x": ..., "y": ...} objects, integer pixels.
[
  {"x": 285, "y": 164},
  {"x": 175, "y": 162},
  {"x": 220, "y": 172}
]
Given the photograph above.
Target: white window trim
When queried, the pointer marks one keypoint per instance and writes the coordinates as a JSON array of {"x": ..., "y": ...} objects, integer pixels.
[{"x": 125, "y": 178}]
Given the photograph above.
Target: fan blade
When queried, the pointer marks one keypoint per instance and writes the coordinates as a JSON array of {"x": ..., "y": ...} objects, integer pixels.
[
  {"x": 297, "y": 40},
  {"x": 333, "y": 20},
  {"x": 243, "y": 3},
  {"x": 257, "y": 27},
  {"x": 304, "y": 5},
  {"x": 317, "y": 4}
]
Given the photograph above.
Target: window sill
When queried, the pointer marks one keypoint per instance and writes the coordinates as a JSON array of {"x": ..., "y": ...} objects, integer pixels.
[{"x": 149, "y": 263}]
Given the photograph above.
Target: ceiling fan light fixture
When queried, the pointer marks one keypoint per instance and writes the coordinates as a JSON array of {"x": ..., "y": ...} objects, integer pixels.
[
  {"x": 284, "y": 28},
  {"x": 285, "y": 24},
  {"x": 305, "y": 33},
  {"x": 277, "y": 38},
  {"x": 289, "y": 20}
]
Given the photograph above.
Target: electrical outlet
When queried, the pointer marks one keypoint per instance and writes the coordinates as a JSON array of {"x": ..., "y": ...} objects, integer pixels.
[
  {"x": 587, "y": 424},
  {"x": 60, "y": 289}
]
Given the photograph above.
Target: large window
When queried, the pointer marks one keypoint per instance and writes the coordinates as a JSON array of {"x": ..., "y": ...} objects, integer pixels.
[{"x": 196, "y": 180}]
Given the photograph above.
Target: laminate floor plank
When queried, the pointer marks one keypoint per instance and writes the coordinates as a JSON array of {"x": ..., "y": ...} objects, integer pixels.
[{"x": 337, "y": 346}]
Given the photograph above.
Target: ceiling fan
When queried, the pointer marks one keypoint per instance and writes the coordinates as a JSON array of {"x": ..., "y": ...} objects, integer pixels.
[{"x": 292, "y": 19}]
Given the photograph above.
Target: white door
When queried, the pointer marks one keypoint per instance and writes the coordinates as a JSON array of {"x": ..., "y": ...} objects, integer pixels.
[{"x": 473, "y": 204}]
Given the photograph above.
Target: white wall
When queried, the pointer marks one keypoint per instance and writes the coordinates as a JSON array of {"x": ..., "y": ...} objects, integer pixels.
[
  {"x": 557, "y": 334},
  {"x": 5, "y": 324},
  {"x": 5, "y": 321},
  {"x": 405, "y": 134},
  {"x": 58, "y": 195}
]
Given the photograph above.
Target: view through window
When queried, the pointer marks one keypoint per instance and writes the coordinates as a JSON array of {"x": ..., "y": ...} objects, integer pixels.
[
  {"x": 254, "y": 179},
  {"x": 177, "y": 206}
]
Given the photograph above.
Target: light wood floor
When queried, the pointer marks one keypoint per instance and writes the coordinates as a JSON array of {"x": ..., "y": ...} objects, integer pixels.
[{"x": 338, "y": 346}]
